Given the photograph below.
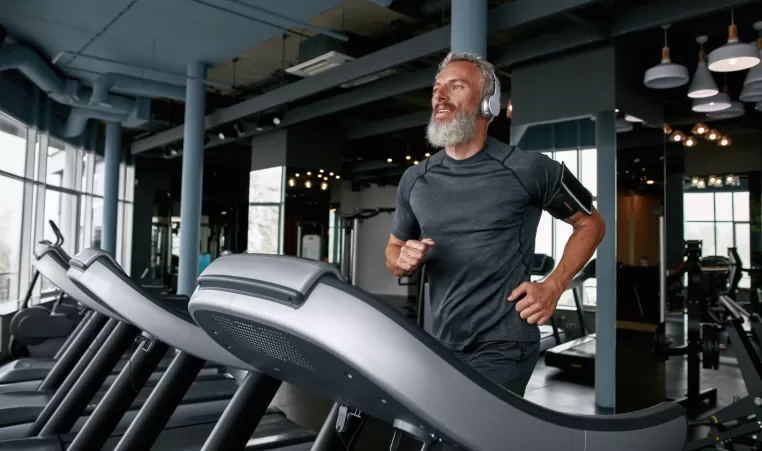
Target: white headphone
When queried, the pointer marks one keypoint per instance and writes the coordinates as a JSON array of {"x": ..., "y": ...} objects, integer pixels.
[{"x": 491, "y": 103}]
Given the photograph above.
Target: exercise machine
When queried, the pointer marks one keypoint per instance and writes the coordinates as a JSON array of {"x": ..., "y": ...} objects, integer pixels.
[
  {"x": 163, "y": 420},
  {"x": 350, "y": 232},
  {"x": 310, "y": 245},
  {"x": 39, "y": 330},
  {"x": 322, "y": 333}
]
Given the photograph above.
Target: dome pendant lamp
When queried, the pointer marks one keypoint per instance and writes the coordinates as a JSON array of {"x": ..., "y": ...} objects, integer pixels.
[
  {"x": 666, "y": 74},
  {"x": 703, "y": 84},
  {"x": 734, "y": 55},
  {"x": 754, "y": 77},
  {"x": 718, "y": 102},
  {"x": 751, "y": 93}
]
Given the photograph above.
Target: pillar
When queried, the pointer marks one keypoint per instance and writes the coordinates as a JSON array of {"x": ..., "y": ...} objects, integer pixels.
[
  {"x": 469, "y": 26},
  {"x": 192, "y": 179},
  {"x": 112, "y": 158},
  {"x": 605, "y": 314}
]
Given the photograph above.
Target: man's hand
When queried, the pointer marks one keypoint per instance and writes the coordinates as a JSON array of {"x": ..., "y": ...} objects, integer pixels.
[
  {"x": 413, "y": 253},
  {"x": 539, "y": 301}
]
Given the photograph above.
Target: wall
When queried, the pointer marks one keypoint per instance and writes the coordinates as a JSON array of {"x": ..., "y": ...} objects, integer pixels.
[
  {"x": 373, "y": 276},
  {"x": 637, "y": 228}
]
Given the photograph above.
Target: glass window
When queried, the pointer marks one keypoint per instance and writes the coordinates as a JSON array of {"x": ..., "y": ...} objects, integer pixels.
[
  {"x": 743, "y": 244},
  {"x": 12, "y": 146},
  {"x": 724, "y": 237},
  {"x": 264, "y": 229},
  {"x": 588, "y": 171},
  {"x": 98, "y": 175},
  {"x": 95, "y": 234},
  {"x": 741, "y": 206},
  {"x": 703, "y": 231},
  {"x": 10, "y": 235},
  {"x": 698, "y": 207},
  {"x": 723, "y": 206},
  {"x": 56, "y": 164},
  {"x": 544, "y": 239}
]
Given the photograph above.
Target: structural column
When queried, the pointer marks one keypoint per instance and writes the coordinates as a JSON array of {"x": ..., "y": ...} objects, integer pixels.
[
  {"x": 112, "y": 158},
  {"x": 192, "y": 179},
  {"x": 605, "y": 310},
  {"x": 469, "y": 26}
]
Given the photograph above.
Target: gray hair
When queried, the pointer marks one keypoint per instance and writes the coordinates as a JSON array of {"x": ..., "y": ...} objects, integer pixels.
[{"x": 486, "y": 69}]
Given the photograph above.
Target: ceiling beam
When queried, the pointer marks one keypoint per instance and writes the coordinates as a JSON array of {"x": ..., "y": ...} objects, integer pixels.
[
  {"x": 647, "y": 15},
  {"x": 503, "y": 17},
  {"x": 389, "y": 125}
]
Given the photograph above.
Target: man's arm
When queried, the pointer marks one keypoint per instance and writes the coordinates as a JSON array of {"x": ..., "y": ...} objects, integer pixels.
[
  {"x": 393, "y": 249},
  {"x": 588, "y": 233},
  {"x": 405, "y": 257}
]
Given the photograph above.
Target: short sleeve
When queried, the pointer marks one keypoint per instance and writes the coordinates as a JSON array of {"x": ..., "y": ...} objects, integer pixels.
[
  {"x": 557, "y": 189},
  {"x": 405, "y": 225}
]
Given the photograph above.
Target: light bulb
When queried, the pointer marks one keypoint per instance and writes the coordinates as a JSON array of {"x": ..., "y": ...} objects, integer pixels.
[
  {"x": 701, "y": 184},
  {"x": 712, "y": 179},
  {"x": 388, "y": 160},
  {"x": 677, "y": 136},
  {"x": 308, "y": 184},
  {"x": 690, "y": 142},
  {"x": 724, "y": 141},
  {"x": 221, "y": 136},
  {"x": 338, "y": 176},
  {"x": 324, "y": 186},
  {"x": 427, "y": 155},
  {"x": 297, "y": 174},
  {"x": 694, "y": 181},
  {"x": 415, "y": 162},
  {"x": 407, "y": 157},
  {"x": 291, "y": 182},
  {"x": 729, "y": 180},
  {"x": 650, "y": 182},
  {"x": 700, "y": 129},
  {"x": 321, "y": 171},
  {"x": 309, "y": 173},
  {"x": 331, "y": 174},
  {"x": 712, "y": 135}
]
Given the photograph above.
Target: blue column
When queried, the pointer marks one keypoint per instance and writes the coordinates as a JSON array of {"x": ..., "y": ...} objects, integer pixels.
[
  {"x": 605, "y": 310},
  {"x": 469, "y": 26},
  {"x": 113, "y": 155},
  {"x": 192, "y": 179}
]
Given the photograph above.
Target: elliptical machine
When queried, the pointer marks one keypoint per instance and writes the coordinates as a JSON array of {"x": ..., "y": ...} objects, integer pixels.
[{"x": 39, "y": 330}]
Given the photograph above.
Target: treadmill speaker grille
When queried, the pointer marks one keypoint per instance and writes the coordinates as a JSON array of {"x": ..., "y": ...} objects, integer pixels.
[{"x": 265, "y": 340}]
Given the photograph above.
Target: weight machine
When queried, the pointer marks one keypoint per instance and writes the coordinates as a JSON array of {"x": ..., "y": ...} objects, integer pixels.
[{"x": 350, "y": 232}]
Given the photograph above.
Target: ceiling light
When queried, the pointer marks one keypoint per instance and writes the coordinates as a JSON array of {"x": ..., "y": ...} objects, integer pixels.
[
  {"x": 321, "y": 171},
  {"x": 666, "y": 74},
  {"x": 701, "y": 184},
  {"x": 415, "y": 162},
  {"x": 703, "y": 84},
  {"x": 699, "y": 129},
  {"x": 736, "y": 110},
  {"x": 331, "y": 174},
  {"x": 221, "y": 135},
  {"x": 309, "y": 173},
  {"x": 677, "y": 136},
  {"x": 649, "y": 182},
  {"x": 694, "y": 181},
  {"x": 725, "y": 141},
  {"x": 717, "y": 102},
  {"x": 667, "y": 129},
  {"x": 735, "y": 55},
  {"x": 427, "y": 155},
  {"x": 307, "y": 184},
  {"x": 291, "y": 182},
  {"x": 690, "y": 142},
  {"x": 631, "y": 118},
  {"x": 276, "y": 120},
  {"x": 712, "y": 135},
  {"x": 324, "y": 186},
  {"x": 751, "y": 93},
  {"x": 754, "y": 77},
  {"x": 297, "y": 174},
  {"x": 407, "y": 157},
  {"x": 388, "y": 160},
  {"x": 338, "y": 176}
]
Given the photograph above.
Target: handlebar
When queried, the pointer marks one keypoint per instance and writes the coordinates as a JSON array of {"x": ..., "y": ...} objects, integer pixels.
[
  {"x": 57, "y": 232},
  {"x": 367, "y": 213}
]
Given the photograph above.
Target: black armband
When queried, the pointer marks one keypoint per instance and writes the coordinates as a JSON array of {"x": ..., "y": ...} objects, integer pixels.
[{"x": 571, "y": 198}]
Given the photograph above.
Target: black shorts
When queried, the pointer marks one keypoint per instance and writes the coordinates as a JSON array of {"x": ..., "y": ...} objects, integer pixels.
[{"x": 507, "y": 363}]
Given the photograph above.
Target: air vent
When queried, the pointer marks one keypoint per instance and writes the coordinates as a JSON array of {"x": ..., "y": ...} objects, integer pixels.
[{"x": 320, "y": 64}]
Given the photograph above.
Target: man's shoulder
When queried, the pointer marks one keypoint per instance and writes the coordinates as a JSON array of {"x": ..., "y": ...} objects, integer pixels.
[{"x": 416, "y": 171}]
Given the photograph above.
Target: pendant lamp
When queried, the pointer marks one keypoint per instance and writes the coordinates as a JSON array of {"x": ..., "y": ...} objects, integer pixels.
[
  {"x": 736, "y": 109},
  {"x": 666, "y": 74},
  {"x": 734, "y": 55},
  {"x": 754, "y": 77},
  {"x": 703, "y": 84},
  {"x": 717, "y": 102},
  {"x": 751, "y": 93}
]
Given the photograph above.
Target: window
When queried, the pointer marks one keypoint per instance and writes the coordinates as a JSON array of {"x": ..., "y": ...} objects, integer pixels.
[
  {"x": 12, "y": 147},
  {"x": 552, "y": 234},
  {"x": 10, "y": 235},
  {"x": 266, "y": 199},
  {"x": 720, "y": 220}
]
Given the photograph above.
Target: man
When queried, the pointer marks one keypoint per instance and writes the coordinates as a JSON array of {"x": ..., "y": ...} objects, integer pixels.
[{"x": 471, "y": 212}]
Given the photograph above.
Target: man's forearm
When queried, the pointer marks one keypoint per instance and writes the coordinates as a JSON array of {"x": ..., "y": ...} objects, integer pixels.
[
  {"x": 579, "y": 249},
  {"x": 392, "y": 255}
]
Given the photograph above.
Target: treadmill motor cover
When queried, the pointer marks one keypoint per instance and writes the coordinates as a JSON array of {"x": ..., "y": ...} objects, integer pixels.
[{"x": 296, "y": 320}]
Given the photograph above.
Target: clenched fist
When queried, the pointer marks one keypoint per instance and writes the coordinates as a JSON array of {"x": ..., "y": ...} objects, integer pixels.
[{"x": 413, "y": 253}]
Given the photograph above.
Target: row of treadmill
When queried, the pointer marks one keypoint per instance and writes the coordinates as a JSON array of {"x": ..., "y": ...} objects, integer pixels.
[{"x": 149, "y": 370}]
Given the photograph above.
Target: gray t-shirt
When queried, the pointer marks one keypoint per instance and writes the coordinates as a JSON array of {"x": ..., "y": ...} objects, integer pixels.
[{"x": 482, "y": 213}]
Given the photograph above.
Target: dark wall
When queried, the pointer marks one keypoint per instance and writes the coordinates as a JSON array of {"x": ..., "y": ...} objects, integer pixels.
[{"x": 152, "y": 177}]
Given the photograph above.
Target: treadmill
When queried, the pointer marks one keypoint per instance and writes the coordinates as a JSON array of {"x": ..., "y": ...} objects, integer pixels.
[
  {"x": 157, "y": 423},
  {"x": 303, "y": 323},
  {"x": 27, "y": 413},
  {"x": 578, "y": 354}
]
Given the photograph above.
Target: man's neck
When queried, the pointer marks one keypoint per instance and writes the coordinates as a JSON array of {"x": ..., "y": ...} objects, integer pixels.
[{"x": 468, "y": 148}]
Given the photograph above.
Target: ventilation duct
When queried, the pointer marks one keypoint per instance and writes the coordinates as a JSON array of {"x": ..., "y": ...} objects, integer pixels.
[
  {"x": 68, "y": 91},
  {"x": 135, "y": 86},
  {"x": 78, "y": 117}
]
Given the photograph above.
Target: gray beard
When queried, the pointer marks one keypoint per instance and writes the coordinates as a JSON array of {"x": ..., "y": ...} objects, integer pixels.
[{"x": 459, "y": 130}]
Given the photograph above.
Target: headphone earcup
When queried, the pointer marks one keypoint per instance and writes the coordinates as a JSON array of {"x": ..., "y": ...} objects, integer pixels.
[{"x": 486, "y": 108}]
